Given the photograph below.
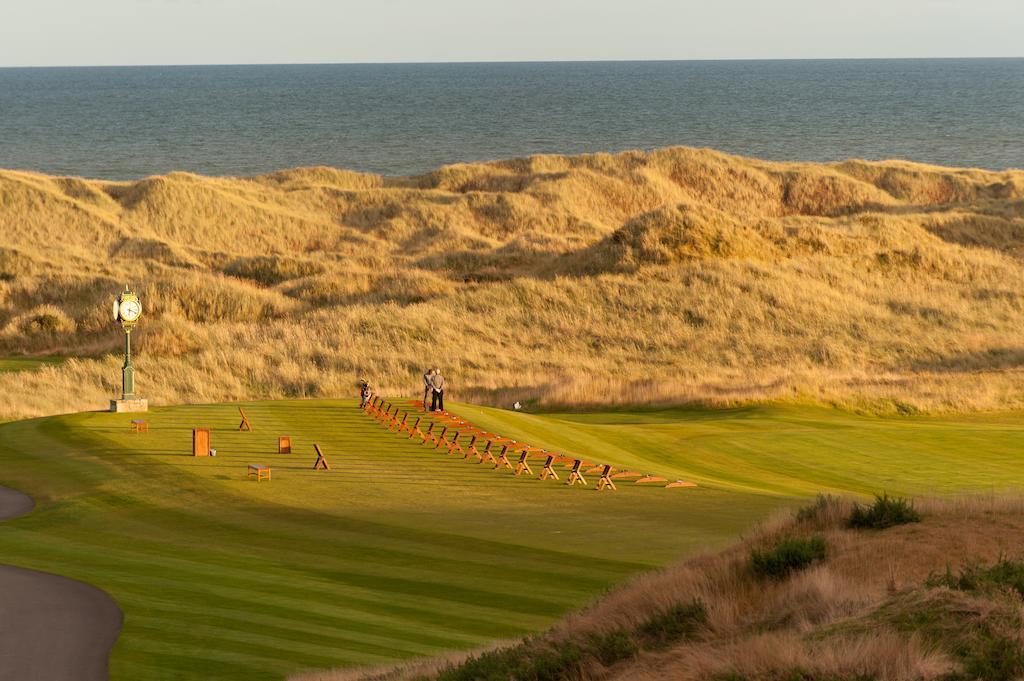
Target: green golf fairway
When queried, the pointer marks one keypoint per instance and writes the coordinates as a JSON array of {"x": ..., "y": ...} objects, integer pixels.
[
  {"x": 400, "y": 550},
  {"x": 27, "y": 363}
]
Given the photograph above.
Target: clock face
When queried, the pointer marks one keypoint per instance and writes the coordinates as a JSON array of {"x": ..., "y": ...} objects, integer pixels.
[{"x": 131, "y": 310}]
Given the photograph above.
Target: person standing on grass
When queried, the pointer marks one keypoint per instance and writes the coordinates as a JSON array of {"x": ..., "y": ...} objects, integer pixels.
[
  {"x": 437, "y": 383},
  {"x": 428, "y": 387}
]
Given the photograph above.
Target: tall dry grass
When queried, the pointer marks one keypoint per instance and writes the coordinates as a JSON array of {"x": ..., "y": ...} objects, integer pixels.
[{"x": 661, "y": 277}]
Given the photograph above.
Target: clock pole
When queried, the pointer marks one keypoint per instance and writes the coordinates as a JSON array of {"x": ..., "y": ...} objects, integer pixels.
[
  {"x": 127, "y": 371},
  {"x": 127, "y": 311}
]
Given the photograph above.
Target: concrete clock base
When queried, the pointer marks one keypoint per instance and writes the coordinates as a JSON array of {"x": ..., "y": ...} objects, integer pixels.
[{"x": 129, "y": 406}]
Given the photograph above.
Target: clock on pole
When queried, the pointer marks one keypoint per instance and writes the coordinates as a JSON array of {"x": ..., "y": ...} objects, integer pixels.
[{"x": 127, "y": 310}]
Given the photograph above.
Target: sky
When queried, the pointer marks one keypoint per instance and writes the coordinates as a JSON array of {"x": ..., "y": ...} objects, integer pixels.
[{"x": 124, "y": 32}]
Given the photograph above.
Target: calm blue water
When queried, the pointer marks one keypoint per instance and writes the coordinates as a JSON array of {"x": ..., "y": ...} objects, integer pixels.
[{"x": 401, "y": 119}]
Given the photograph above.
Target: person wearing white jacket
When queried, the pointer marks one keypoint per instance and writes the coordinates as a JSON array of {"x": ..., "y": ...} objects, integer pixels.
[{"x": 437, "y": 384}]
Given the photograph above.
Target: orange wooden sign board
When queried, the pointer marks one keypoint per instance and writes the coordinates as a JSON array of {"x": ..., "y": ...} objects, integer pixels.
[{"x": 201, "y": 442}]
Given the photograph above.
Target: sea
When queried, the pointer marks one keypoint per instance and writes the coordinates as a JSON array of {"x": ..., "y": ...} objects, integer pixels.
[{"x": 124, "y": 123}]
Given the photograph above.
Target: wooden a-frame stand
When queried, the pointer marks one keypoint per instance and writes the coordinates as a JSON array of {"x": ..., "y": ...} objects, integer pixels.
[
  {"x": 522, "y": 466},
  {"x": 415, "y": 430},
  {"x": 321, "y": 460},
  {"x": 471, "y": 450},
  {"x": 575, "y": 477},
  {"x": 244, "y": 425},
  {"x": 488, "y": 455},
  {"x": 606, "y": 480},
  {"x": 548, "y": 471},
  {"x": 455, "y": 447},
  {"x": 503, "y": 461}
]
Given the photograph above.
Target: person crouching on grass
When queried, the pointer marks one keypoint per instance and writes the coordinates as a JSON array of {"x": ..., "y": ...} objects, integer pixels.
[
  {"x": 428, "y": 387},
  {"x": 437, "y": 383}
]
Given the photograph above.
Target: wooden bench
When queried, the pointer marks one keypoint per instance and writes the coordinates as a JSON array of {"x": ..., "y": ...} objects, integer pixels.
[
  {"x": 140, "y": 426},
  {"x": 259, "y": 470}
]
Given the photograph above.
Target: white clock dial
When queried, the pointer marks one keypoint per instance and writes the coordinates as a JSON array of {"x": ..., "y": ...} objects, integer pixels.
[
  {"x": 131, "y": 310},
  {"x": 116, "y": 307}
]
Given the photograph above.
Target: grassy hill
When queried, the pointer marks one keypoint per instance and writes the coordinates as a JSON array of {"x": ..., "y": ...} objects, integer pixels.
[
  {"x": 669, "y": 276},
  {"x": 805, "y": 598},
  {"x": 400, "y": 551}
]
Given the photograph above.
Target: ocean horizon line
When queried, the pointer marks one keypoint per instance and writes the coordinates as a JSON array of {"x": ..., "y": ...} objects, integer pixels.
[{"x": 509, "y": 61}]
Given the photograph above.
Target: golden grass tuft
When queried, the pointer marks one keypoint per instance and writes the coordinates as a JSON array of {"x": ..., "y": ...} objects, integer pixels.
[{"x": 676, "y": 275}]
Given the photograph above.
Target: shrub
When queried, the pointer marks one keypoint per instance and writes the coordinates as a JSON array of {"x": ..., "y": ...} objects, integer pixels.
[
  {"x": 615, "y": 646},
  {"x": 531, "y": 660},
  {"x": 995, "y": 658},
  {"x": 1004, "y": 574},
  {"x": 885, "y": 512},
  {"x": 680, "y": 621},
  {"x": 271, "y": 270},
  {"x": 823, "y": 507},
  {"x": 787, "y": 556}
]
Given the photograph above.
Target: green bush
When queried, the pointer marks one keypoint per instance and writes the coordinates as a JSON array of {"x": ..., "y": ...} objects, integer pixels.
[
  {"x": 679, "y": 622},
  {"x": 787, "y": 556},
  {"x": 885, "y": 512},
  {"x": 795, "y": 675},
  {"x": 818, "y": 510},
  {"x": 531, "y": 660},
  {"x": 613, "y": 647},
  {"x": 994, "y": 659},
  {"x": 1004, "y": 574}
]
